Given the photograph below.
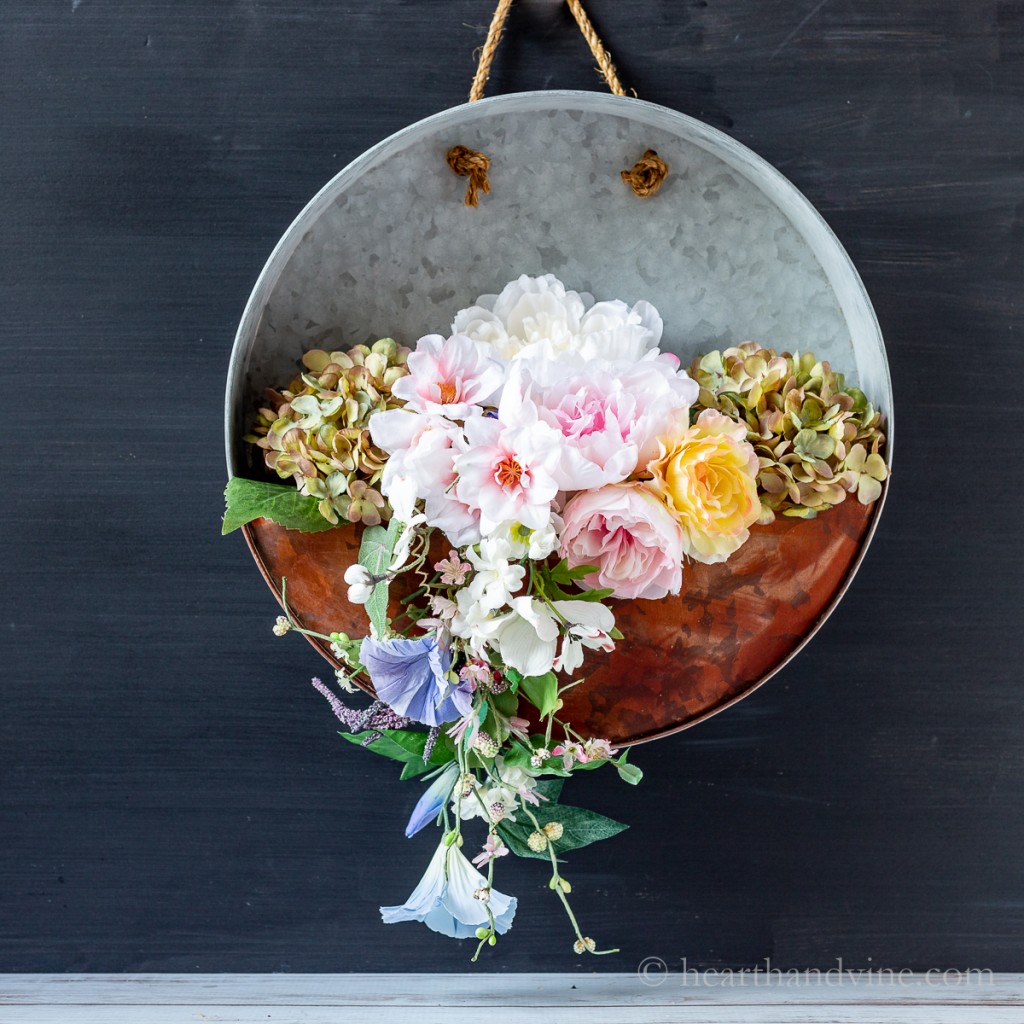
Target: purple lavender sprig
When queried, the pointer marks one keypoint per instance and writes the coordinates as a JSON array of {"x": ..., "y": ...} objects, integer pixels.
[{"x": 376, "y": 717}]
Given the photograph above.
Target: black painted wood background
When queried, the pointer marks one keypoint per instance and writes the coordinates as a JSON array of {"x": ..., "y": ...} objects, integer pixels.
[{"x": 173, "y": 794}]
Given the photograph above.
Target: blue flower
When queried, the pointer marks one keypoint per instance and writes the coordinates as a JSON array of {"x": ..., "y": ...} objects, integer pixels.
[
  {"x": 432, "y": 800},
  {"x": 411, "y": 676},
  {"x": 444, "y": 899}
]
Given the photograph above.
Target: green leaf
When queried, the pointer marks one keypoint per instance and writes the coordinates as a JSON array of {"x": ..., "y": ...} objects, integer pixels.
[
  {"x": 256, "y": 499},
  {"x": 406, "y": 746},
  {"x": 541, "y": 692},
  {"x": 558, "y": 573},
  {"x": 598, "y": 594},
  {"x": 375, "y": 551},
  {"x": 518, "y": 755},
  {"x": 506, "y": 702},
  {"x": 550, "y": 788},
  {"x": 629, "y": 773},
  {"x": 561, "y": 573},
  {"x": 580, "y": 828},
  {"x": 514, "y": 678}
]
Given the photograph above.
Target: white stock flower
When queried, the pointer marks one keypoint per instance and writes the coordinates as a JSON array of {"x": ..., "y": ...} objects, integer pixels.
[
  {"x": 473, "y": 623},
  {"x": 495, "y": 579},
  {"x": 533, "y": 544}
]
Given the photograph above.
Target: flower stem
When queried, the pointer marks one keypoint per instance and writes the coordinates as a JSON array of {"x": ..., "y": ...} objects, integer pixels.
[{"x": 557, "y": 878}]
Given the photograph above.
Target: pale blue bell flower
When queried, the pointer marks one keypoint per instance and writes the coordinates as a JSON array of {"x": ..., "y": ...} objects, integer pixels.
[{"x": 444, "y": 899}]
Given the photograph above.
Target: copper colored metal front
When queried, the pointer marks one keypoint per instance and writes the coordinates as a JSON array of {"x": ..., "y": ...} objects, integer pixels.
[{"x": 683, "y": 658}]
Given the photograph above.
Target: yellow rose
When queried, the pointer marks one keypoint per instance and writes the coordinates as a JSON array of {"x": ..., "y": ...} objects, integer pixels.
[{"x": 707, "y": 476}]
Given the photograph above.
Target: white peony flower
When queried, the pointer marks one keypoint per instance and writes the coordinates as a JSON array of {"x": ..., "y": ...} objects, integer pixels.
[{"x": 538, "y": 316}]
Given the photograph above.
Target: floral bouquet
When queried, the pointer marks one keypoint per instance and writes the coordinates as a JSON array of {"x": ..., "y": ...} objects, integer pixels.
[{"x": 514, "y": 480}]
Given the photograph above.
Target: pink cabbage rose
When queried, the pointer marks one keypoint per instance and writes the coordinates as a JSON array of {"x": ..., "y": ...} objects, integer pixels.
[{"x": 628, "y": 533}]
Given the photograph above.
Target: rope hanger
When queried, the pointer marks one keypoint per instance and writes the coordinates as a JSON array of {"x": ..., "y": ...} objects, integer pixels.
[{"x": 644, "y": 177}]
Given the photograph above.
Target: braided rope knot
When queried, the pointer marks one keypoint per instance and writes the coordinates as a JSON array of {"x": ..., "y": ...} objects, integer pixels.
[
  {"x": 468, "y": 163},
  {"x": 646, "y": 175}
]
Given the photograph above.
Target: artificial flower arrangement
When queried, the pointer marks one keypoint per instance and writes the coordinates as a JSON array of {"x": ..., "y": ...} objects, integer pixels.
[{"x": 517, "y": 478}]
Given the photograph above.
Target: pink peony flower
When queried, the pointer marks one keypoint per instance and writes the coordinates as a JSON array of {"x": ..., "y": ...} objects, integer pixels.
[
  {"x": 449, "y": 377},
  {"x": 632, "y": 538},
  {"x": 607, "y": 416}
]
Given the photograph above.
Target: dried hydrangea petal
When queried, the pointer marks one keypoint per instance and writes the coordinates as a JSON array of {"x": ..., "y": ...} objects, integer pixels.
[
  {"x": 804, "y": 423},
  {"x": 314, "y": 431}
]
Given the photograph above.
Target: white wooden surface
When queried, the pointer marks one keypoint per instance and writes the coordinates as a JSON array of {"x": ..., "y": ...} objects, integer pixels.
[{"x": 458, "y": 998}]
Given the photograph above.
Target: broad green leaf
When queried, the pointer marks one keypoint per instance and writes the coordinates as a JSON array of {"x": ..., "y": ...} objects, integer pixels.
[
  {"x": 550, "y": 788},
  {"x": 580, "y": 828},
  {"x": 375, "y": 551},
  {"x": 541, "y": 692},
  {"x": 256, "y": 499},
  {"x": 406, "y": 746},
  {"x": 507, "y": 702}
]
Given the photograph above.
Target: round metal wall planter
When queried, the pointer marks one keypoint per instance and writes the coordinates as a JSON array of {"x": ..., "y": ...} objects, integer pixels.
[{"x": 728, "y": 251}]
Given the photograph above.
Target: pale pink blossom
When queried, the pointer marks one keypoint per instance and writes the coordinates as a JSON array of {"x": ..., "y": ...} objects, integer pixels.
[
  {"x": 443, "y": 607},
  {"x": 505, "y": 473},
  {"x": 493, "y": 848},
  {"x": 449, "y": 376},
  {"x": 570, "y": 753},
  {"x": 632, "y": 538},
  {"x": 452, "y": 569},
  {"x": 478, "y": 673},
  {"x": 599, "y": 750},
  {"x": 465, "y": 728},
  {"x": 530, "y": 796}
]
